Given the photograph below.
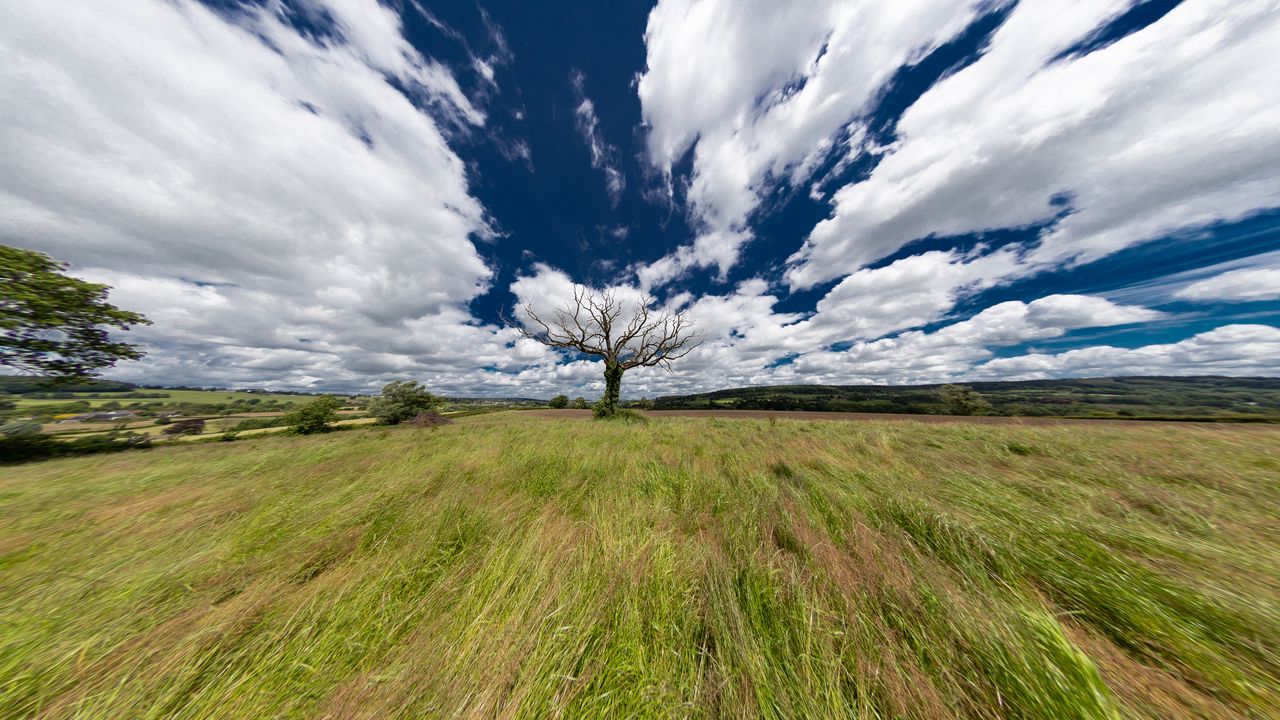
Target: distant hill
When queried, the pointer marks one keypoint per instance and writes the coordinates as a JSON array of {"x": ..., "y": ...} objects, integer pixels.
[
  {"x": 23, "y": 384},
  {"x": 496, "y": 400},
  {"x": 1173, "y": 398}
]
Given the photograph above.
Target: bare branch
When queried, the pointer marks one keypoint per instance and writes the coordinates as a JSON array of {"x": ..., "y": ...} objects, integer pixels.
[{"x": 589, "y": 324}]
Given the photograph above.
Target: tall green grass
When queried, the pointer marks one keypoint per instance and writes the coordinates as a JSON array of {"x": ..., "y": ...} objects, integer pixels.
[{"x": 526, "y": 567}]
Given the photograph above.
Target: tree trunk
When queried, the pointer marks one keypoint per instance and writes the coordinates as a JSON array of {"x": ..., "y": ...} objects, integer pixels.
[{"x": 608, "y": 404}]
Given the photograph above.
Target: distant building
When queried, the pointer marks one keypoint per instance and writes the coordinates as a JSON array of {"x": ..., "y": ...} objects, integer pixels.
[{"x": 112, "y": 416}]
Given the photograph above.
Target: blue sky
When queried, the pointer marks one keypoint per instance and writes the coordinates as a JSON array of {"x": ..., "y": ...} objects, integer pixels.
[{"x": 330, "y": 194}]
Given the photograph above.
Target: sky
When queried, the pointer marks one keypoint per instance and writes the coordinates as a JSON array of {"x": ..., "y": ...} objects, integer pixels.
[{"x": 332, "y": 194}]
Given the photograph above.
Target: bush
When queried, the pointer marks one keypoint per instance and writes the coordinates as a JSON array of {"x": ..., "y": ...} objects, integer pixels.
[
  {"x": 429, "y": 419},
  {"x": 314, "y": 416},
  {"x": 19, "y": 428},
  {"x": 228, "y": 436},
  {"x": 402, "y": 400},
  {"x": 963, "y": 400},
  {"x": 559, "y": 402},
  {"x": 186, "y": 427},
  {"x": 258, "y": 423},
  {"x": 25, "y": 448},
  {"x": 579, "y": 403},
  {"x": 624, "y": 415}
]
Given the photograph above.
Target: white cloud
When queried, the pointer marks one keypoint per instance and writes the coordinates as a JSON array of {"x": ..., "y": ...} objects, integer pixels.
[
  {"x": 290, "y": 212},
  {"x": 1175, "y": 126},
  {"x": 260, "y": 195},
  {"x": 604, "y": 157},
  {"x": 1134, "y": 136},
  {"x": 908, "y": 293},
  {"x": 746, "y": 337},
  {"x": 762, "y": 89},
  {"x": 951, "y": 352},
  {"x": 1236, "y": 285},
  {"x": 1240, "y": 350}
]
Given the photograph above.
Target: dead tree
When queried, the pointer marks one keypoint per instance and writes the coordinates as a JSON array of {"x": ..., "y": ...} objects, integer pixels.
[{"x": 597, "y": 323}]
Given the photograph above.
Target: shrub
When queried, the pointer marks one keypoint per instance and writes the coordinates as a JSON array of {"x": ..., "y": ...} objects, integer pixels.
[
  {"x": 25, "y": 448},
  {"x": 186, "y": 427},
  {"x": 558, "y": 402},
  {"x": 228, "y": 436},
  {"x": 429, "y": 419},
  {"x": 579, "y": 403},
  {"x": 314, "y": 416},
  {"x": 258, "y": 423},
  {"x": 963, "y": 400},
  {"x": 19, "y": 428},
  {"x": 624, "y": 415},
  {"x": 402, "y": 400}
]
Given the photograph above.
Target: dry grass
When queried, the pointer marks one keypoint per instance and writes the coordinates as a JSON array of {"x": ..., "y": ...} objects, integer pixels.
[{"x": 512, "y": 566}]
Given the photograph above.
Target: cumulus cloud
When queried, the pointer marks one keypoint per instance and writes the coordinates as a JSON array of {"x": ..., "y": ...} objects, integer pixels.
[
  {"x": 1106, "y": 148},
  {"x": 1242, "y": 350},
  {"x": 255, "y": 190},
  {"x": 1172, "y": 127},
  {"x": 749, "y": 343},
  {"x": 760, "y": 90},
  {"x": 952, "y": 352},
  {"x": 289, "y": 207},
  {"x": 1236, "y": 285}
]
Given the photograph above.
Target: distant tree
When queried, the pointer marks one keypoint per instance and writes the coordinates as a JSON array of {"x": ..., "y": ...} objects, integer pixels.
[
  {"x": 625, "y": 335},
  {"x": 402, "y": 400},
  {"x": 19, "y": 428},
  {"x": 579, "y": 403},
  {"x": 185, "y": 427},
  {"x": 559, "y": 401},
  {"x": 963, "y": 400},
  {"x": 314, "y": 416},
  {"x": 54, "y": 325}
]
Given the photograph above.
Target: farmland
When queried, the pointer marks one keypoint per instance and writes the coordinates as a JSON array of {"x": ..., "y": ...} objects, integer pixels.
[
  {"x": 523, "y": 566},
  {"x": 1169, "y": 398},
  {"x": 164, "y": 396}
]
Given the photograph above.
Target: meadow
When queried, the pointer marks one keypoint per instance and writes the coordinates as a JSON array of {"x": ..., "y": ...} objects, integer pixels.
[
  {"x": 519, "y": 566},
  {"x": 209, "y": 397}
]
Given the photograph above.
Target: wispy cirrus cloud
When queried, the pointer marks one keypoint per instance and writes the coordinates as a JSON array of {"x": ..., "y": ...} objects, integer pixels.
[{"x": 604, "y": 156}]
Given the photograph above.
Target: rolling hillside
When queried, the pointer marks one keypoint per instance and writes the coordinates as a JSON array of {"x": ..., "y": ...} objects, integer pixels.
[{"x": 1206, "y": 398}]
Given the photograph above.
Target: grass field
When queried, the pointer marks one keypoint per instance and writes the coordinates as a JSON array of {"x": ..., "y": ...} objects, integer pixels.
[
  {"x": 516, "y": 566},
  {"x": 211, "y": 397}
]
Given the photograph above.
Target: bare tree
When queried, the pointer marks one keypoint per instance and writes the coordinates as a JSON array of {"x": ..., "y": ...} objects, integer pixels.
[{"x": 625, "y": 334}]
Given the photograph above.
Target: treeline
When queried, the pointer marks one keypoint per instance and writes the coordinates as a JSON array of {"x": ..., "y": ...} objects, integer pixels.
[
  {"x": 26, "y": 384},
  {"x": 1212, "y": 398},
  {"x": 154, "y": 408}
]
